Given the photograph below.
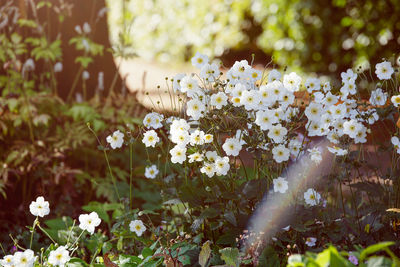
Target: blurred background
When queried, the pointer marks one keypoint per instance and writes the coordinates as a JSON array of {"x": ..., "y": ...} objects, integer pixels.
[{"x": 325, "y": 37}]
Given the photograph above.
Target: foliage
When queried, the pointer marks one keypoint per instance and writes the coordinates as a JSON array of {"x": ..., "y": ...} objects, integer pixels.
[{"x": 320, "y": 36}]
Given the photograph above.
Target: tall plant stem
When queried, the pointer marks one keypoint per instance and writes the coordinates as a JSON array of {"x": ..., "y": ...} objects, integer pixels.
[{"x": 108, "y": 162}]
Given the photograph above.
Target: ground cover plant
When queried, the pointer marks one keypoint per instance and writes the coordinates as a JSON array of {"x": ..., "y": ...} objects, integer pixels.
[{"x": 251, "y": 167}]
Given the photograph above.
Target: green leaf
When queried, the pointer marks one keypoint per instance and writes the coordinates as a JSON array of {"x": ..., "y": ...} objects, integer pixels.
[
  {"x": 379, "y": 262},
  {"x": 75, "y": 262},
  {"x": 375, "y": 248},
  {"x": 205, "y": 253},
  {"x": 331, "y": 257},
  {"x": 146, "y": 252},
  {"x": 85, "y": 61},
  {"x": 230, "y": 256}
]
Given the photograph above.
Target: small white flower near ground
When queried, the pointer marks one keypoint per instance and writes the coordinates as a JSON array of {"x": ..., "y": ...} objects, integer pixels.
[
  {"x": 116, "y": 139},
  {"x": 40, "y": 207},
  {"x": 151, "y": 172},
  {"x": 396, "y": 143},
  {"x": 137, "y": 226},
  {"x": 312, "y": 197},
  {"x": 280, "y": 185},
  {"x": 7, "y": 261},
  {"x": 24, "y": 259},
  {"x": 396, "y": 100},
  {"x": 310, "y": 241},
  {"x": 89, "y": 222},
  {"x": 59, "y": 257}
]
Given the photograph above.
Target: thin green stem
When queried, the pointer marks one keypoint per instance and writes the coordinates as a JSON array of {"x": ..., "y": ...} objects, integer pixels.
[
  {"x": 44, "y": 231},
  {"x": 108, "y": 162},
  {"x": 35, "y": 222}
]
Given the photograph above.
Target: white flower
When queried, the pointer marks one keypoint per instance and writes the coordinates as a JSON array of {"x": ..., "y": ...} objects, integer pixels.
[
  {"x": 280, "y": 153},
  {"x": 241, "y": 69},
  {"x": 274, "y": 75},
  {"x": 7, "y": 261},
  {"x": 89, "y": 222},
  {"x": 395, "y": 100},
  {"x": 295, "y": 147},
  {"x": 326, "y": 87},
  {"x": 329, "y": 100},
  {"x": 211, "y": 155},
  {"x": 208, "y": 138},
  {"x": 265, "y": 119},
  {"x": 29, "y": 65},
  {"x": 150, "y": 138},
  {"x": 315, "y": 155},
  {"x": 280, "y": 185},
  {"x": 292, "y": 81},
  {"x": 197, "y": 138},
  {"x": 59, "y": 257},
  {"x": 176, "y": 81},
  {"x": 384, "y": 70},
  {"x": 179, "y": 125},
  {"x": 222, "y": 165},
  {"x": 314, "y": 111},
  {"x": 313, "y": 84},
  {"x": 58, "y": 67},
  {"x": 116, "y": 139},
  {"x": 86, "y": 28},
  {"x": 351, "y": 128},
  {"x": 180, "y": 137},
  {"x": 199, "y": 60},
  {"x": 396, "y": 143},
  {"x": 312, "y": 197},
  {"x": 378, "y": 97},
  {"x": 137, "y": 226},
  {"x": 267, "y": 96},
  {"x": 40, "y": 207},
  {"x": 254, "y": 75},
  {"x": 277, "y": 133},
  {"x": 310, "y": 241},
  {"x": 178, "y": 154},
  {"x": 151, "y": 172},
  {"x": 348, "y": 88},
  {"x": 195, "y": 157},
  {"x": 208, "y": 169},
  {"x": 209, "y": 72},
  {"x": 349, "y": 76},
  {"x": 195, "y": 109},
  {"x": 153, "y": 120},
  {"x": 24, "y": 259},
  {"x": 85, "y": 75},
  {"x": 78, "y": 29},
  {"x": 189, "y": 86},
  {"x": 337, "y": 151},
  {"x": 250, "y": 99},
  {"x": 232, "y": 146},
  {"x": 219, "y": 100}
]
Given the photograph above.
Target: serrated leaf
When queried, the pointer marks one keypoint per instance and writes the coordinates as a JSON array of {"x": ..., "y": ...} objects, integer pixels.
[{"x": 230, "y": 256}]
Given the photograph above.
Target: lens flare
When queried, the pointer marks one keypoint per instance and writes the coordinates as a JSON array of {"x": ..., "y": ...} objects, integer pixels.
[{"x": 273, "y": 213}]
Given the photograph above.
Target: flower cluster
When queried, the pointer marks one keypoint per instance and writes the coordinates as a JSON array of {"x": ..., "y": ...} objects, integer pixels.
[
  {"x": 246, "y": 110},
  {"x": 59, "y": 256}
]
